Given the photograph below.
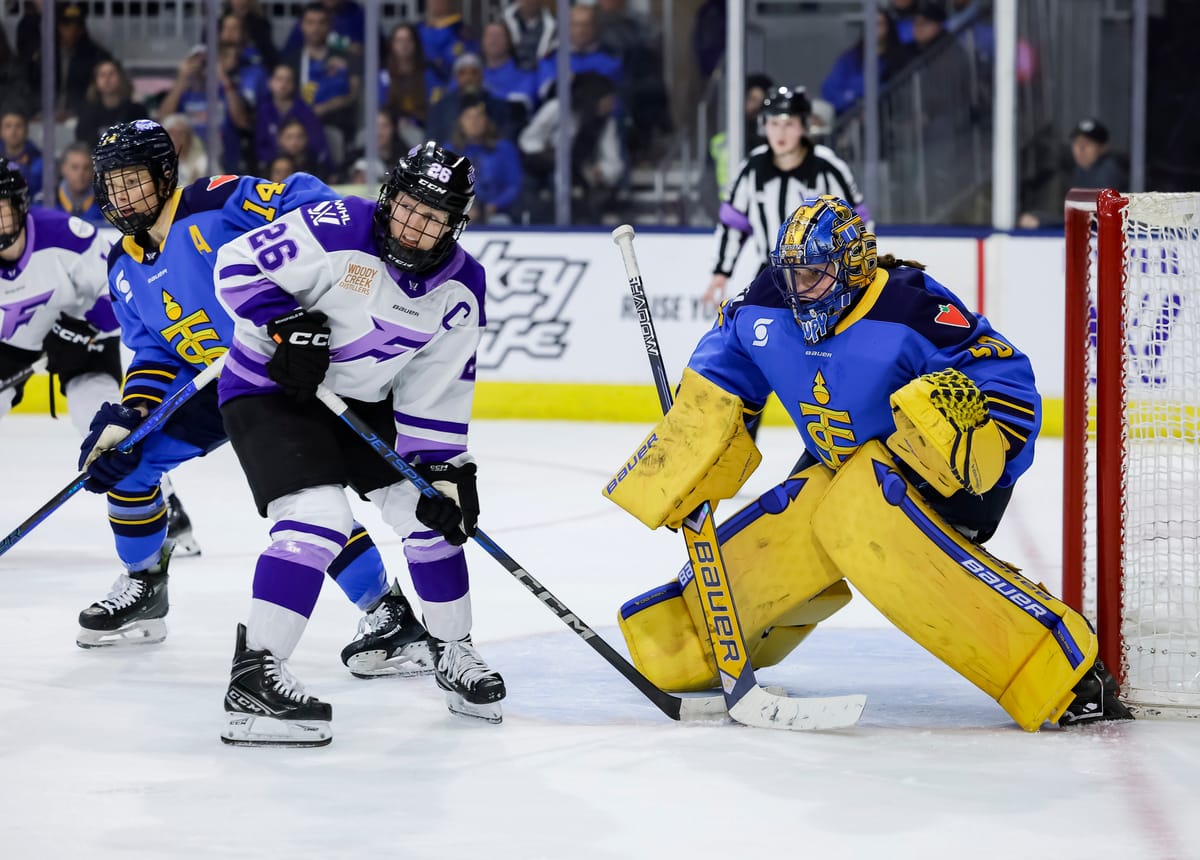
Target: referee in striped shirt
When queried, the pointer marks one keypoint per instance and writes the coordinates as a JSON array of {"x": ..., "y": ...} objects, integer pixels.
[{"x": 772, "y": 183}]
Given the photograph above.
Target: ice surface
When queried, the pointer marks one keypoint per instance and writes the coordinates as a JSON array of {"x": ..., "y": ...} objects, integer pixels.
[{"x": 115, "y": 754}]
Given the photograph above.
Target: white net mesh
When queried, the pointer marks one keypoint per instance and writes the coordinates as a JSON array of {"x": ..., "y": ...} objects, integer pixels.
[{"x": 1160, "y": 625}]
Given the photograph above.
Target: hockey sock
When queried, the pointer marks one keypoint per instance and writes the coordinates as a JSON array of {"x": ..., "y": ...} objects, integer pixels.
[
  {"x": 139, "y": 523},
  {"x": 358, "y": 570},
  {"x": 441, "y": 584}
]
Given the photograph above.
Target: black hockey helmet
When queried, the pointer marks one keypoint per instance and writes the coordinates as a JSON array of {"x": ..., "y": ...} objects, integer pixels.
[
  {"x": 787, "y": 101},
  {"x": 13, "y": 187},
  {"x": 142, "y": 143},
  {"x": 437, "y": 177}
]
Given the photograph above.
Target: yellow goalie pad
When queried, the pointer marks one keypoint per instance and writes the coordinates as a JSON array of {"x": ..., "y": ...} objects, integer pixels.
[
  {"x": 782, "y": 587},
  {"x": 944, "y": 433},
  {"x": 699, "y": 452},
  {"x": 1002, "y": 632}
]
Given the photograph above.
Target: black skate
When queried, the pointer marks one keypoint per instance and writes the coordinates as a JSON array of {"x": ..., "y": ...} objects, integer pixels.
[
  {"x": 390, "y": 641},
  {"x": 1096, "y": 699},
  {"x": 266, "y": 706},
  {"x": 132, "y": 613},
  {"x": 472, "y": 689},
  {"x": 179, "y": 526}
]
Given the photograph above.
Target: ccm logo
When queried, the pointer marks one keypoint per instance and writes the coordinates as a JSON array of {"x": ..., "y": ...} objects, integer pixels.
[{"x": 305, "y": 338}]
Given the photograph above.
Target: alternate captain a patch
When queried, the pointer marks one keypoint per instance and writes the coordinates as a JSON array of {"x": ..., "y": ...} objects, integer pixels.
[{"x": 951, "y": 315}]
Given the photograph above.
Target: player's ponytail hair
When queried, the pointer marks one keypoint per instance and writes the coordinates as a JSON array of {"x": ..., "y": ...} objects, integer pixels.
[{"x": 890, "y": 261}]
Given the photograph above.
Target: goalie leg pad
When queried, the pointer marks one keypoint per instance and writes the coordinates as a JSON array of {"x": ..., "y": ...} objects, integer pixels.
[
  {"x": 999, "y": 630},
  {"x": 699, "y": 452},
  {"x": 781, "y": 582}
]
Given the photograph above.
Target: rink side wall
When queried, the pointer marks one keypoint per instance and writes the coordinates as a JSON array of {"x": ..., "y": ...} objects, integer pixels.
[{"x": 562, "y": 340}]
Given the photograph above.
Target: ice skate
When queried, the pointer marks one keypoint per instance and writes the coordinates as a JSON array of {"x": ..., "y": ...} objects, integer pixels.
[
  {"x": 1096, "y": 699},
  {"x": 390, "y": 641},
  {"x": 472, "y": 689},
  {"x": 179, "y": 526},
  {"x": 133, "y": 611},
  {"x": 266, "y": 705}
]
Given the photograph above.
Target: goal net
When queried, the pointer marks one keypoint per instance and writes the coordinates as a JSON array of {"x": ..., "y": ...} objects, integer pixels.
[{"x": 1131, "y": 432}]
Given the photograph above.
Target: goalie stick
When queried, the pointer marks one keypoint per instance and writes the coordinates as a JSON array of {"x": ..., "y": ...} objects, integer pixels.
[
  {"x": 151, "y": 423},
  {"x": 675, "y": 707},
  {"x": 747, "y": 702},
  {"x": 24, "y": 374}
]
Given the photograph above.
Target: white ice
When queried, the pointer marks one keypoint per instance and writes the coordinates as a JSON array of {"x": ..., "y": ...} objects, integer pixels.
[{"x": 115, "y": 753}]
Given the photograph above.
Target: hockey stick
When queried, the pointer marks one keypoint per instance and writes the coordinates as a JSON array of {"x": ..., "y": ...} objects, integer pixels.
[
  {"x": 22, "y": 375},
  {"x": 151, "y": 423},
  {"x": 747, "y": 702},
  {"x": 675, "y": 707}
]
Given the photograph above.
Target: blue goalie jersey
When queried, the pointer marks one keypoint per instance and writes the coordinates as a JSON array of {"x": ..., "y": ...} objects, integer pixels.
[
  {"x": 837, "y": 392},
  {"x": 164, "y": 298}
]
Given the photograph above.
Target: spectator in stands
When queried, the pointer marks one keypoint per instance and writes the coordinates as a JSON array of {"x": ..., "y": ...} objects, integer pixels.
[
  {"x": 347, "y": 29},
  {"x": 708, "y": 37},
  {"x": 757, "y": 87},
  {"x": 18, "y": 149},
  {"x": 407, "y": 85},
  {"x": 257, "y": 29},
  {"x": 533, "y": 30},
  {"x": 280, "y": 168},
  {"x": 243, "y": 84},
  {"x": 635, "y": 39},
  {"x": 109, "y": 101},
  {"x": 597, "y": 159},
  {"x": 586, "y": 55},
  {"x": 292, "y": 141},
  {"x": 497, "y": 163},
  {"x": 328, "y": 80},
  {"x": 75, "y": 194},
  {"x": 979, "y": 38},
  {"x": 504, "y": 78},
  {"x": 14, "y": 79},
  {"x": 358, "y": 173},
  {"x": 1094, "y": 167},
  {"x": 232, "y": 31},
  {"x": 903, "y": 12},
  {"x": 76, "y": 56},
  {"x": 844, "y": 85},
  {"x": 285, "y": 104},
  {"x": 386, "y": 141},
  {"x": 444, "y": 36},
  {"x": 468, "y": 83},
  {"x": 189, "y": 146},
  {"x": 188, "y": 96}
]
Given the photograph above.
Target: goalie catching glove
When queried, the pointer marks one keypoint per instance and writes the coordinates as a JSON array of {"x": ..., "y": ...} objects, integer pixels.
[{"x": 946, "y": 435}]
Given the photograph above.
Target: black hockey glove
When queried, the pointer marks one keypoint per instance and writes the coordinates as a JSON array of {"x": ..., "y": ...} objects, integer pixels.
[
  {"x": 105, "y": 467},
  {"x": 455, "y": 512},
  {"x": 302, "y": 353},
  {"x": 71, "y": 347}
]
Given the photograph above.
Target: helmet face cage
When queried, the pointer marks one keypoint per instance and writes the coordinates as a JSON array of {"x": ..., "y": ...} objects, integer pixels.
[
  {"x": 121, "y": 151},
  {"x": 15, "y": 190},
  {"x": 440, "y": 179},
  {"x": 824, "y": 258}
]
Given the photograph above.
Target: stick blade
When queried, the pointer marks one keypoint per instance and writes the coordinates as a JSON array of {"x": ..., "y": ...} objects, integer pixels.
[{"x": 765, "y": 710}]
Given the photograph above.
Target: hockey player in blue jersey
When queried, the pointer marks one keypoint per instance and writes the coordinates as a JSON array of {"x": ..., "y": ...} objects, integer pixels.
[
  {"x": 917, "y": 418},
  {"x": 161, "y": 281},
  {"x": 377, "y": 300}
]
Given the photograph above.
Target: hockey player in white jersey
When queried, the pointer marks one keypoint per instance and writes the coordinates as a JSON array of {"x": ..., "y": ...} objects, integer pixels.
[{"x": 379, "y": 301}]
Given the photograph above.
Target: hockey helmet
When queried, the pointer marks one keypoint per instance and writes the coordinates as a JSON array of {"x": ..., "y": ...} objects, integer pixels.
[
  {"x": 787, "y": 101},
  {"x": 14, "y": 188},
  {"x": 439, "y": 178},
  {"x": 142, "y": 143},
  {"x": 824, "y": 258}
]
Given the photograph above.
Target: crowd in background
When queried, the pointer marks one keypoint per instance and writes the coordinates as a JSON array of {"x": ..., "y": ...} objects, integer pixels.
[{"x": 489, "y": 92}]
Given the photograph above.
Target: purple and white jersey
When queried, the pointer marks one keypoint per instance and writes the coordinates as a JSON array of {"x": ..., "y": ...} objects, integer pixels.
[
  {"x": 392, "y": 333},
  {"x": 63, "y": 269}
]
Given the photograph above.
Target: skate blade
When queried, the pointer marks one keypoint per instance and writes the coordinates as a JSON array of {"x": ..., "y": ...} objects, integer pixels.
[
  {"x": 147, "y": 631},
  {"x": 186, "y": 545},
  {"x": 249, "y": 730},
  {"x": 413, "y": 661},
  {"x": 489, "y": 713}
]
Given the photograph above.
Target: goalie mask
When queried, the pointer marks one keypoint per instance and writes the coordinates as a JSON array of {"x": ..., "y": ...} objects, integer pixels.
[
  {"x": 136, "y": 171},
  {"x": 824, "y": 258},
  {"x": 423, "y": 207},
  {"x": 15, "y": 190}
]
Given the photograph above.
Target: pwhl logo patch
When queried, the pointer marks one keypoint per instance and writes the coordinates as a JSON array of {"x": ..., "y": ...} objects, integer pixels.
[
  {"x": 950, "y": 315},
  {"x": 526, "y": 298}
]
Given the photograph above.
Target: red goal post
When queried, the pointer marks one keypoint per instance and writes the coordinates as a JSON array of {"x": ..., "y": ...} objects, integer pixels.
[{"x": 1131, "y": 439}]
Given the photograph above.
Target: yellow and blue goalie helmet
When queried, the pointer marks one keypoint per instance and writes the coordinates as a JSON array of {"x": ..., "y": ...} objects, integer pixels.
[{"x": 824, "y": 258}]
